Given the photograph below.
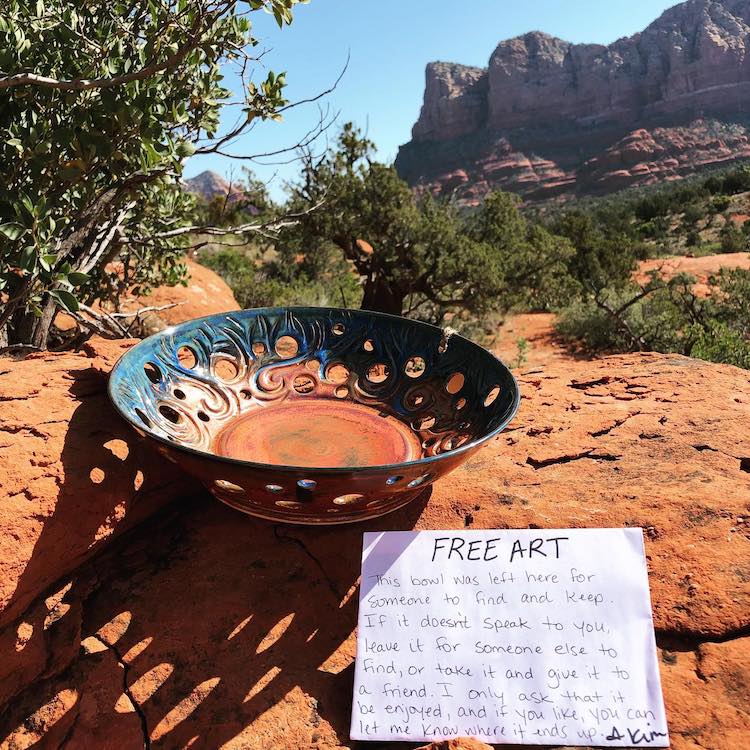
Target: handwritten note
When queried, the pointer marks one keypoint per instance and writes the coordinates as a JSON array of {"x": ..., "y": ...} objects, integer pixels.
[{"x": 513, "y": 637}]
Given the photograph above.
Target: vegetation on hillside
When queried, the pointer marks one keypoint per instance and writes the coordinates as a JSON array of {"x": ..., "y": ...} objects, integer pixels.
[
  {"x": 702, "y": 215},
  {"x": 372, "y": 242},
  {"x": 611, "y": 312}
]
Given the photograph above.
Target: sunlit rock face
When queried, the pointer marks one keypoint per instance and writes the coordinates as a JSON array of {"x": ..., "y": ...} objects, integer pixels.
[
  {"x": 549, "y": 117},
  {"x": 204, "y": 628}
]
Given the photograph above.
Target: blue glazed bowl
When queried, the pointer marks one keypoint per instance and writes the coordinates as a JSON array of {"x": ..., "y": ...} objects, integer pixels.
[{"x": 313, "y": 415}]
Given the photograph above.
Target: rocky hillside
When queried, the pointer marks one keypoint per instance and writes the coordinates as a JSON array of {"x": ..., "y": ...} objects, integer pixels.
[
  {"x": 208, "y": 185},
  {"x": 548, "y": 117}
]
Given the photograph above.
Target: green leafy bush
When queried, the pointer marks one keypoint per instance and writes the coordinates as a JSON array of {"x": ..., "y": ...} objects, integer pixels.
[
  {"x": 284, "y": 280},
  {"x": 667, "y": 317},
  {"x": 417, "y": 255},
  {"x": 100, "y": 103}
]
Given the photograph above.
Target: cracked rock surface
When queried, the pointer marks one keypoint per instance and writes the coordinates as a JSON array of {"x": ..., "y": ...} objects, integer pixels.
[{"x": 202, "y": 628}]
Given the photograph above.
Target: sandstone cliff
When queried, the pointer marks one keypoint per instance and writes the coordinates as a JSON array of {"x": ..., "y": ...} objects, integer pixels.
[{"x": 547, "y": 116}]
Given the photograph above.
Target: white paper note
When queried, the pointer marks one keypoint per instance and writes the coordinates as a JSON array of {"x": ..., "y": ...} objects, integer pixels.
[{"x": 539, "y": 637}]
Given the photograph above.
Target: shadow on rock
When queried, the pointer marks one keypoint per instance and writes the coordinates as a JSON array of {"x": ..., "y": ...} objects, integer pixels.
[{"x": 230, "y": 632}]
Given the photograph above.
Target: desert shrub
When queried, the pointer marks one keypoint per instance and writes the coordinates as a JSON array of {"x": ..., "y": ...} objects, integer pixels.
[
  {"x": 285, "y": 280},
  {"x": 719, "y": 204},
  {"x": 602, "y": 256},
  {"x": 417, "y": 255},
  {"x": 100, "y": 103},
  {"x": 718, "y": 342},
  {"x": 733, "y": 239},
  {"x": 667, "y": 317}
]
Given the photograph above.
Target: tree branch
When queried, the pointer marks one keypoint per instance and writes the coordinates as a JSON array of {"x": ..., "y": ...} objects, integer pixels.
[
  {"x": 84, "y": 84},
  {"x": 269, "y": 227}
]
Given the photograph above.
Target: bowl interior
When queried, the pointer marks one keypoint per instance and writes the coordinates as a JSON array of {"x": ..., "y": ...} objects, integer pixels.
[{"x": 313, "y": 387}]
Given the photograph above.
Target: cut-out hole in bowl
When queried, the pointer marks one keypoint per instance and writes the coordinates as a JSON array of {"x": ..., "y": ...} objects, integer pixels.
[
  {"x": 368, "y": 346},
  {"x": 187, "y": 357},
  {"x": 227, "y": 486},
  {"x": 259, "y": 348},
  {"x": 455, "y": 383},
  {"x": 179, "y": 393},
  {"x": 143, "y": 417},
  {"x": 246, "y": 394},
  {"x": 338, "y": 329},
  {"x": 226, "y": 369},
  {"x": 307, "y": 484},
  {"x": 424, "y": 423},
  {"x": 203, "y": 416},
  {"x": 348, "y": 499},
  {"x": 443, "y": 345},
  {"x": 169, "y": 413},
  {"x": 341, "y": 392},
  {"x": 313, "y": 365},
  {"x": 289, "y": 504},
  {"x": 153, "y": 373},
  {"x": 337, "y": 373},
  {"x": 378, "y": 373},
  {"x": 419, "y": 480},
  {"x": 393, "y": 480},
  {"x": 451, "y": 443},
  {"x": 286, "y": 347},
  {"x": 414, "y": 367},
  {"x": 489, "y": 399},
  {"x": 274, "y": 488},
  {"x": 303, "y": 384},
  {"x": 460, "y": 403}
]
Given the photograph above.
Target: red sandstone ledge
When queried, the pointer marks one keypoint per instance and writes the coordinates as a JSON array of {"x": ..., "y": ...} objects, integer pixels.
[{"x": 202, "y": 628}]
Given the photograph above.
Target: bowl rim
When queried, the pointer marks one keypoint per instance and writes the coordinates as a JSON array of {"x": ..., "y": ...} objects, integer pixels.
[{"x": 318, "y": 470}]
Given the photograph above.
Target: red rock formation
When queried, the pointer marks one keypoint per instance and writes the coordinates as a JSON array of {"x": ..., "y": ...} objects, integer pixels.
[
  {"x": 549, "y": 117},
  {"x": 207, "y": 629},
  {"x": 210, "y": 185},
  {"x": 455, "y": 101},
  {"x": 206, "y": 293}
]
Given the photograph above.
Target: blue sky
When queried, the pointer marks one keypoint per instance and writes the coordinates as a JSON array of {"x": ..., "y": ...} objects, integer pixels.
[{"x": 389, "y": 43}]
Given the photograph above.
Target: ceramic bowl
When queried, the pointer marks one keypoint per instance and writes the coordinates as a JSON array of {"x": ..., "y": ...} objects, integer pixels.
[{"x": 313, "y": 415}]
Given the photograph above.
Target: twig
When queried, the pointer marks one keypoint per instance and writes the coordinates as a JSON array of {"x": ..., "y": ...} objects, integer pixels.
[
  {"x": 102, "y": 322},
  {"x": 140, "y": 310},
  {"x": 264, "y": 228}
]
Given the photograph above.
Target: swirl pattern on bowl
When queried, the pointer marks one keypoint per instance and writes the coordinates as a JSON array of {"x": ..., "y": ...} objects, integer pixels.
[{"x": 182, "y": 387}]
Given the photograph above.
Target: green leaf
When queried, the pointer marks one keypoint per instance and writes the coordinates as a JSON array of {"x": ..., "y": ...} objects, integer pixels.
[
  {"x": 12, "y": 230},
  {"x": 66, "y": 299},
  {"x": 76, "y": 278},
  {"x": 28, "y": 258},
  {"x": 185, "y": 149}
]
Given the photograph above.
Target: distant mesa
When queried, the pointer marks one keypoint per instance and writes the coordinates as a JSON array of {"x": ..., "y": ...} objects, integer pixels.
[{"x": 549, "y": 118}]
